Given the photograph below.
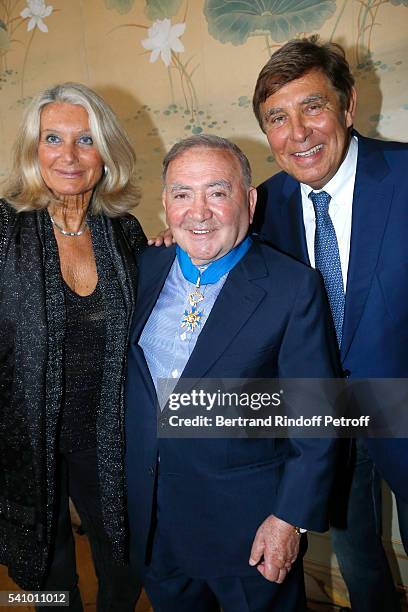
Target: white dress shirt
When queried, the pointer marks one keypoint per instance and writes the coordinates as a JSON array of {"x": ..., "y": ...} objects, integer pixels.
[{"x": 340, "y": 188}]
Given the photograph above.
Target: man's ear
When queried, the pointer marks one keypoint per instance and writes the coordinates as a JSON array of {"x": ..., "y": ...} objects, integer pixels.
[
  {"x": 164, "y": 200},
  {"x": 351, "y": 110},
  {"x": 252, "y": 197}
]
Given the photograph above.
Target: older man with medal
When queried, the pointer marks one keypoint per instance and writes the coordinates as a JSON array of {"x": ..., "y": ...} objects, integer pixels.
[{"x": 219, "y": 523}]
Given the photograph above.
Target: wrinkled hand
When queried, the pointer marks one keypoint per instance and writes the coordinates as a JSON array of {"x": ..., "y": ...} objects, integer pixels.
[
  {"x": 165, "y": 237},
  {"x": 274, "y": 549}
]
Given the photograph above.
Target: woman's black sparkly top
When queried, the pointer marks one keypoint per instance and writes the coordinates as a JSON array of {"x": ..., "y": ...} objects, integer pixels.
[{"x": 84, "y": 353}]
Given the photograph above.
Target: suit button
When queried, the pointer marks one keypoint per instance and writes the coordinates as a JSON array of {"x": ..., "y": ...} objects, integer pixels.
[
  {"x": 346, "y": 373},
  {"x": 151, "y": 471}
]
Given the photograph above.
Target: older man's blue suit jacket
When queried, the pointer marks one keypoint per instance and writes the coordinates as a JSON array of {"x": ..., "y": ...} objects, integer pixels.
[
  {"x": 375, "y": 331},
  {"x": 270, "y": 319}
]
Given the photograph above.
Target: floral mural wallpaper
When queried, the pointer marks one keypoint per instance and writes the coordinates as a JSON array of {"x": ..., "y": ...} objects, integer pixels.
[
  {"x": 176, "y": 67},
  {"x": 171, "y": 68}
]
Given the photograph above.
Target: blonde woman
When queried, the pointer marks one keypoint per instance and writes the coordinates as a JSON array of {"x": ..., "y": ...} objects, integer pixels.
[{"x": 67, "y": 290}]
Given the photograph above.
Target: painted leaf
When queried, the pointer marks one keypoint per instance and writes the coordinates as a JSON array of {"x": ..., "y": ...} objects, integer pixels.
[
  {"x": 159, "y": 9},
  {"x": 233, "y": 21},
  {"x": 4, "y": 36},
  {"x": 121, "y": 6}
]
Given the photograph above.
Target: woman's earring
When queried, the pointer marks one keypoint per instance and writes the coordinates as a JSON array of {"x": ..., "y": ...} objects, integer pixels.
[{"x": 105, "y": 169}]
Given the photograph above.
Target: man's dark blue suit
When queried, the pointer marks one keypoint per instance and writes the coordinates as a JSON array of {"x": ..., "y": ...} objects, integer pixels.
[
  {"x": 375, "y": 330},
  {"x": 270, "y": 319}
]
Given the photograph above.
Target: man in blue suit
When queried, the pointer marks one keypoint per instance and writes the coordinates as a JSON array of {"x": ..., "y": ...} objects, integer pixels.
[
  {"x": 217, "y": 523},
  {"x": 340, "y": 204}
]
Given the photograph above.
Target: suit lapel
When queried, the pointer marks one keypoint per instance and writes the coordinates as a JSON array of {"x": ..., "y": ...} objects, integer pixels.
[
  {"x": 148, "y": 291},
  {"x": 371, "y": 205},
  {"x": 292, "y": 227},
  {"x": 236, "y": 302},
  {"x": 149, "y": 288}
]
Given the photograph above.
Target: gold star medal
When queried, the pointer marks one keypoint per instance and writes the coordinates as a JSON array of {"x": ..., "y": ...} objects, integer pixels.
[{"x": 192, "y": 318}]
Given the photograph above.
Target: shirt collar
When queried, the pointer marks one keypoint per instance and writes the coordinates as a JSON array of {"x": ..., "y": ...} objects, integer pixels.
[{"x": 341, "y": 185}]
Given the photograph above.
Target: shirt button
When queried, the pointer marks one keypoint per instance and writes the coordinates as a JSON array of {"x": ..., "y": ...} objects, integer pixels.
[
  {"x": 346, "y": 373},
  {"x": 151, "y": 471}
]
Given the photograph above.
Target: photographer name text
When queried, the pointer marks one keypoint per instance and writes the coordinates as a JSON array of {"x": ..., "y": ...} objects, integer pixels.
[{"x": 269, "y": 421}]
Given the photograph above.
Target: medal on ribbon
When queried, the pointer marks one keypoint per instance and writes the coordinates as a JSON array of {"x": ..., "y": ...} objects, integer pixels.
[
  {"x": 192, "y": 318},
  {"x": 212, "y": 273}
]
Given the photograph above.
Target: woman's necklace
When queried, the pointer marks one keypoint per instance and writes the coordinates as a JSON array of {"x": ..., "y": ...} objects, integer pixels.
[{"x": 66, "y": 232}]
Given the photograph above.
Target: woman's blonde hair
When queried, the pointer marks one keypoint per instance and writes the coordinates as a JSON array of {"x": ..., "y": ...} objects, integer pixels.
[{"x": 114, "y": 195}]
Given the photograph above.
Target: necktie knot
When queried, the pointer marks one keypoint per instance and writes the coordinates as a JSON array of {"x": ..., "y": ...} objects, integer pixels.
[{"x": 321, "y": 201}]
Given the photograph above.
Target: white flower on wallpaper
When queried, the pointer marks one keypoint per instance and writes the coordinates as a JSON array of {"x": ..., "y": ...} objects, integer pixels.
[
  {"x": 163, "y": 39},
  {"x": 36, "y": 11}
]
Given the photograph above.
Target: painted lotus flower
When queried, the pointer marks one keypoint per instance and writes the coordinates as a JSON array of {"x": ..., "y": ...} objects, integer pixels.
[
  {"x": 36, "y": 11},
  {"x": 163, "y": 39},
  {"x": 233, "y": 21}
]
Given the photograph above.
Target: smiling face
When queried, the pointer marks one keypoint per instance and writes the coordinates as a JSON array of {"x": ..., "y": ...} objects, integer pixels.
[
  {"x": 208, "y": 208},
  {"x": 307, "y": 129},
  {"x": 69, "y": 162}
]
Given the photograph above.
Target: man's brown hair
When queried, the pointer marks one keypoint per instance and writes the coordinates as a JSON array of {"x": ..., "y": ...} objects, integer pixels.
[{"x": 296, "y": 58}]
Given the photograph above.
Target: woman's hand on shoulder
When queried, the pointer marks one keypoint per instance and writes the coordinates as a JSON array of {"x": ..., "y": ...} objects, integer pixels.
[{"x": 165, "y": 237}]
